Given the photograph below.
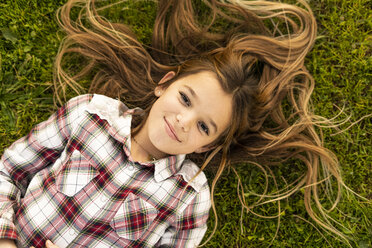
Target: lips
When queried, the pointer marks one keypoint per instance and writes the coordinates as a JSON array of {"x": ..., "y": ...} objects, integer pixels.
[{"x": 170, "y": 130}]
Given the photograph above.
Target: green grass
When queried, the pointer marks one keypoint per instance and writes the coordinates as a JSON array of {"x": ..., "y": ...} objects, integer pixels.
[{"x": 340, "y": 63}]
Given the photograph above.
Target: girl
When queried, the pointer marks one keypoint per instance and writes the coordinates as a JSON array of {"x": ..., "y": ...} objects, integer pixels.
[{"x": 100, "y": 174}]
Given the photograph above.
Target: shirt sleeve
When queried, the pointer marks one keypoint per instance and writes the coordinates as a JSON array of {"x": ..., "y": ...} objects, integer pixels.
[
  {"x": 32, "y": 153},
  {"x": 191, "y": 225}
]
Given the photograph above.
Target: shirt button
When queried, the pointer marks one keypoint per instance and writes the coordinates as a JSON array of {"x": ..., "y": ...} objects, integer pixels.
[
  {"x": 72, "y": 232},
  {"x": 130, "y": 167}
]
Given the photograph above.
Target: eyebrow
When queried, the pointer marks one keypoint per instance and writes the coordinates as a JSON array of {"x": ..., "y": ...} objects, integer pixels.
[{"x": 192, "y": 92}]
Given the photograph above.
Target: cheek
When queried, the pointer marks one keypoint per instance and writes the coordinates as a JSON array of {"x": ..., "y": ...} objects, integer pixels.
[
  {"x": 198, "y": 140},
  {"x": 156, "y": 110},
  {"x": 164, "y": 104}
]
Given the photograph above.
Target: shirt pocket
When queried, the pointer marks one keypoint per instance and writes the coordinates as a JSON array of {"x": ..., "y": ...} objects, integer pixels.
[
  {"x": 133, "y": 218},
  {"x": 77, "y": 172}
]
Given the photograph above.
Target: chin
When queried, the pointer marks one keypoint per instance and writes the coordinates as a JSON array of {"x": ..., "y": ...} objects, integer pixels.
[{"x": 168, "y": 150}]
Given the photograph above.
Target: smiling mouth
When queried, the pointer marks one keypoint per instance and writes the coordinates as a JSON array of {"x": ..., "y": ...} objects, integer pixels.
[{"x": 170, "y": 131}]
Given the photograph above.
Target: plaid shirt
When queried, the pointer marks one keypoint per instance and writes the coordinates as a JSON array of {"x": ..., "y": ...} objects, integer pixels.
[{"x": 72, "y": 180}]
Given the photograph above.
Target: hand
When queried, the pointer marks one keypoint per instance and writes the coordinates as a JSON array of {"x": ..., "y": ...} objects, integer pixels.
[
  {"x": 7, "y": 243},
  {"x": 48, "y": 244}
]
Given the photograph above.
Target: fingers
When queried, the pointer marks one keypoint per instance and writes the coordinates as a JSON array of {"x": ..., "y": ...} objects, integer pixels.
[{"x": 49, "y": 244}]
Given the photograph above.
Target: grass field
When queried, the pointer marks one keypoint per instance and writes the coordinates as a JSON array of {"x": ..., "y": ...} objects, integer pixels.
[{"x": 340, "y": 63}]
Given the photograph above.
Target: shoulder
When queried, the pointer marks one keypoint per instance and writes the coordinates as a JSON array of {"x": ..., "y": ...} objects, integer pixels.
[
  {"x": 106, "y": 108},
  {"x": 78, "y": 108},
  {"x": 78, "y": 101},
  {"x": 96, "y": 102},
  {"x": 74, "y": 107}
]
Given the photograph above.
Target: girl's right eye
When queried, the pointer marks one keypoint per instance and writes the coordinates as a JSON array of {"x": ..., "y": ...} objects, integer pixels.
[{"x": 185, "y": 99}]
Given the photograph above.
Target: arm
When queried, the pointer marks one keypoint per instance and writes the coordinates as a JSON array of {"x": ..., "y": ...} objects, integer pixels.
[
  {"x": 190, "y": 227},
  {"x": 30, "y": 154},
  {"x": 7, "y": 243}
]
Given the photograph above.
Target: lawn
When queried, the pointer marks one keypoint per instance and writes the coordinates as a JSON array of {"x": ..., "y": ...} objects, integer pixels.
[{"x": 340, "y": 63}]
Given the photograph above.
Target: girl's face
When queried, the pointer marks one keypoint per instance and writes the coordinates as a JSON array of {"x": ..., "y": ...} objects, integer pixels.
[{"x": 189, "y": 114}]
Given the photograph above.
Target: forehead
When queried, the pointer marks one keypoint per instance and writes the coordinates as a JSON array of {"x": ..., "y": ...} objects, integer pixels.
[{"x": 210, "y": 100}]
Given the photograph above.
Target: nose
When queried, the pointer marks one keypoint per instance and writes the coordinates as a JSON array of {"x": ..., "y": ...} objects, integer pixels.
[{"x": 185, "y": 121}]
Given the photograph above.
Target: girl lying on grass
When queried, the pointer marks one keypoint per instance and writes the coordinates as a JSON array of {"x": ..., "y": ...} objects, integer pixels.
[{"x": 101, "y": 173}]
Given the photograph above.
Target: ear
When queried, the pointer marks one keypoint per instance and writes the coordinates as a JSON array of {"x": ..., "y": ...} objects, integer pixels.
[
  {"x": 160, "y": 88},
  {"x": 204, "y": 149}
]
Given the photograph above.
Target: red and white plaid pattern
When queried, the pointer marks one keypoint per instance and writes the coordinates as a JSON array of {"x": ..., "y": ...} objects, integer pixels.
[
  {"x": 72, "y": 180},
  {"x": 133, "y": 217}
]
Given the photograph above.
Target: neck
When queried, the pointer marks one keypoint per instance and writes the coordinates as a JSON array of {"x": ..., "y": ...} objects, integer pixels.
[{"x": 142, "y": 149}]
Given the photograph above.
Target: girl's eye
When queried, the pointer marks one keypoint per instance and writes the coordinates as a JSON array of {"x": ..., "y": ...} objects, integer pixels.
[
  {"x": 185, "y": 99},
  {"x": 204, "y": 127}
]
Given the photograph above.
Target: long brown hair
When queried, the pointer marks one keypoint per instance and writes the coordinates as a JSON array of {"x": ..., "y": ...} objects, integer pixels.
[{"x": 259, "y": 61}]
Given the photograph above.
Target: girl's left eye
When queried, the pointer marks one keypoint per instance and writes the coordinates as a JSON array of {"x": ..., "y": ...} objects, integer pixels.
[
  {"x": 185, "y": 99},
  {"x": 204, "y": 127}
]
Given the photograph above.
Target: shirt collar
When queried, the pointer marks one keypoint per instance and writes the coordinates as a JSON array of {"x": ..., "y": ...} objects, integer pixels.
[
  {"x": 164, "y": 167},
  {"x": 119, "y": 118}
]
